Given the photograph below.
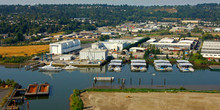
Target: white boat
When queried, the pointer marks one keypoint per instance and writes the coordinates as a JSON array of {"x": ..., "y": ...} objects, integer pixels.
[
  {"x": 143, "y": 69},
  {"x": 114, "y": 67},
  {"x": 117, "y": 69},
  {"x": 163, "y": 66},
  {"x": 138, "y": 67},
  {"x": 70, "y": 67},
  {"x": 50, "y": 68}
]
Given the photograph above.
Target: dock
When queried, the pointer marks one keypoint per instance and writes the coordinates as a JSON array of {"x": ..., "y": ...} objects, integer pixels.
[
  {"x": 15, "y": 97},
  {"x": 103, "y": 78},
  {"x": 215, "y": 67},
  {"x": 34, "y": 66}
]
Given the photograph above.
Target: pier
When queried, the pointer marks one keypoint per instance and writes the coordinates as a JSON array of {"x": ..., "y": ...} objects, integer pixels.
[{"x": 103, "y": 78}]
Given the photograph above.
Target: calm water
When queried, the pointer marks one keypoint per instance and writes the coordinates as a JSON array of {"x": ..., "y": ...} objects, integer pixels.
[{"x": 63, "y": 83}]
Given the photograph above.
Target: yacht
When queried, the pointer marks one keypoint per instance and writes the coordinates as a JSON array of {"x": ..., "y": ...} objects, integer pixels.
[
  {"x": 50, "y": 68},
  {"x": 70, "y": 67}
]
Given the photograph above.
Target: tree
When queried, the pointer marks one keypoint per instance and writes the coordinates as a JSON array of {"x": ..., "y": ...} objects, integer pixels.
[{"x": 19, "y": 37}]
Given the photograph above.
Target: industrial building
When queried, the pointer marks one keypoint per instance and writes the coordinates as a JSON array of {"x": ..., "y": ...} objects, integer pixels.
[
  {"x": 170, "y": 44},
  {"x": 93, "y": 54},
  {"x": 65, "y": 46},
  {"x": 115, "y": 44},
  {"x": 211, "y": 49}
]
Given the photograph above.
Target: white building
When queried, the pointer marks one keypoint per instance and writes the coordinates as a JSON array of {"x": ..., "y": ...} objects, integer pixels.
[
  {"x": 93, "y": 54},
  {"x": 65, "y": 46},
  {"x": 115, "y": 44},
  {"x": 217, "y": 29},
  {"x": 170, "y": 44},
  {"x": 211, "y": 49}
]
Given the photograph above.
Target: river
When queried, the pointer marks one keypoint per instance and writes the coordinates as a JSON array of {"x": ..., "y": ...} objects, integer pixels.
[{"x": 63, "y": 83}]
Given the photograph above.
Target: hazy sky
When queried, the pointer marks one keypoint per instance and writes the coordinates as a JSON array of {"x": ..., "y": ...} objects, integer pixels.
[{"x": 115, "y": 2}]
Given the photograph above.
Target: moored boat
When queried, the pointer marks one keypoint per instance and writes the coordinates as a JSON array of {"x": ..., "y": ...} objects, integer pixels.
[{"x": 50, "y": 68}]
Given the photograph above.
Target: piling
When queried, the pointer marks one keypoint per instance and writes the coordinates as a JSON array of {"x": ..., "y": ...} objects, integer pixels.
[
  {"x": 139, "y": 81},
  {"x": 164, "y": 81},
  {"x": 152, "y": 81}
]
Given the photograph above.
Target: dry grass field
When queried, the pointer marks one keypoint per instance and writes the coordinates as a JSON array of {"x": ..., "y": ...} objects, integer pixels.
[
  {"x": 150, "y": 101},
  {"x": 23, "y": 50}
]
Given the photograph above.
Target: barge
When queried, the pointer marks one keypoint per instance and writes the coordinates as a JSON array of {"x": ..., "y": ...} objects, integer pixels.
[
  {"x": 44, "y": 89},
  {"x": 103, "y": 78},
  {"x": 215, "y": 67},
  {"x": 32, "y": 90}
]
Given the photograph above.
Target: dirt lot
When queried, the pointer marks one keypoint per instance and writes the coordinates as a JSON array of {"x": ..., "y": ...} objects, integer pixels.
[{"x": 150, "y": 101}]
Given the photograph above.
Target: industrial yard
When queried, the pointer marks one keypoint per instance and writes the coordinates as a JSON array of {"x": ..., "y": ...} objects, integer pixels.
[{"x": 150, "y": 101}]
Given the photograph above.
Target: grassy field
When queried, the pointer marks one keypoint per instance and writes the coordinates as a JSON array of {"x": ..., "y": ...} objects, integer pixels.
[{"x": 23, "y": 50}]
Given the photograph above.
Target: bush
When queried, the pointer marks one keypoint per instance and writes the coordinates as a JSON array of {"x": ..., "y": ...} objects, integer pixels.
[{"x": 77, "y": 103}]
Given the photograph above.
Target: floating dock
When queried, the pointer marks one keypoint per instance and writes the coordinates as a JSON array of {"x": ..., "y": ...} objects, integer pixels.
[
  {"x": 32, "y": 90},
  {"x": 103, "y": 78},
  {"x": 215, "y": 67},
  {"x": 44, "y": 89}
]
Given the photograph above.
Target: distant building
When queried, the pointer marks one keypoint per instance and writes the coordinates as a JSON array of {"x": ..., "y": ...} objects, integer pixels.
[
  {"x": 171, "y": 45},
  {"x": 211, "y": 49},
  {"x": 115, "y": 44},
  {"x": 217, "y": 29},
  {"x": 190, "y": 21},
  {"x": 65, "y": 46}
]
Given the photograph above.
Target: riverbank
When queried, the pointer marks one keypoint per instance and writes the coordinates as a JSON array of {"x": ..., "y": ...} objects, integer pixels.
[
  {"x": 150, "y": 101},
  {"x": 4, "y": 94}
]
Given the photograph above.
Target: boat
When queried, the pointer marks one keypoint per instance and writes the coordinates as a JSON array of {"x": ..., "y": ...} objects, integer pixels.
[
  {"x": 185, "y": 66},
  {"x": 117, "y": 69},
  {"x": 163, "y": 66},
  {"x": 32, "y": 90},
  {"x": 44, "y": 89},
  {"x": 50, "y": 68},
  {"x": 215, "y": 67},
  {"x": 114, "y": 67},
  {"x": 70, "y": 67}
]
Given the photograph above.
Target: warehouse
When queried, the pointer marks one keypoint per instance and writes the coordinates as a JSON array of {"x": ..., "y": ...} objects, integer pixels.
[
  {"x": 211, "y": 49},
  {"x": 93, "y": 54},
  {"x": 65, "y": 46}
]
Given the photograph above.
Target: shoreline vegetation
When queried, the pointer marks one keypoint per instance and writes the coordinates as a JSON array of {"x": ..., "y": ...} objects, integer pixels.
[{"x": 5, "y": 85}]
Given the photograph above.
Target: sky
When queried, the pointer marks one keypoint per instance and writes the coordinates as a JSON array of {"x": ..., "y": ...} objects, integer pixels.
[{"x": 111, "y": 2}]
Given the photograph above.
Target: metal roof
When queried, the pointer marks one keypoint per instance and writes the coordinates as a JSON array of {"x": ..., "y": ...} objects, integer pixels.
[
  {"x": 163, "y": 64},
  {"x": 182, "y": 61},
  {"x": 138, "y": 61},
  {"x": 116, "y": 61},
  {"x": 185, "y": 64},
  {"x": 161, "y": 61},
  {"x": 141, "y": 64},
  {"x": 116, "y": 64}
]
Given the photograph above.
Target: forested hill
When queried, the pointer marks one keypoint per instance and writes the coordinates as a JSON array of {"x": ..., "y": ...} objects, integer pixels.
[{"x": 63, "y": 15}]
